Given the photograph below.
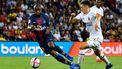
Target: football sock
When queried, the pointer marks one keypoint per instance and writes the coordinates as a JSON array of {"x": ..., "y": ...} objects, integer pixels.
[
  {"x": 81, "y": 56},
  {"x": 98, "y": 58},
  {"x": 104, "y": 58}
]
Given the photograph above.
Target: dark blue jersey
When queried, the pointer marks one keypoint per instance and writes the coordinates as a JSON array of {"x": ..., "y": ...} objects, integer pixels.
[{"x": 43, "y": 21}]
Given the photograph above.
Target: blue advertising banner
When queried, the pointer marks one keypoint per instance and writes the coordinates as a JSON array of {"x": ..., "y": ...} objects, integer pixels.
[{"x": 28, "y": 48}]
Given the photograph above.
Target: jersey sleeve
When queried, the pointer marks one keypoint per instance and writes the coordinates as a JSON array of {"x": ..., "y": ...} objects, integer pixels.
[
  {"x": 31, "y": 20},
  {"x": 47, "y": 20},
  {"x": 79, "y": 16},
  {"x": 97, "y": 10},
  {"x": 94, "y": 11},
  {"x": 100, "y": 11}
]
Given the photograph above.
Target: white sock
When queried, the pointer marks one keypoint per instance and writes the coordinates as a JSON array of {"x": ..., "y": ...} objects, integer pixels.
[
  {"x": 104, "y": 58},
  {"x": 81, "y": 56},
  {"x": 97, "y": 58}
]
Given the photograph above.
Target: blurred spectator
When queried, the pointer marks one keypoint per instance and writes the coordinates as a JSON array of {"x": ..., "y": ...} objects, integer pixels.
[
  {"x": 67, "y": 36},
  {"x": 74, "y": 36},
  {"x": 2, "y": 38},
  {"x": 57, "y": 35}
]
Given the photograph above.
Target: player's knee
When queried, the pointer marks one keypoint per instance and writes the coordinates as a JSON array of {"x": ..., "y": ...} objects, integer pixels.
[
  {"x": 51, "y": 44},
  {"x": 53, "y": 53},
  {"x": 42, "y": 48},
  {"x": 101, "y": 56},
  {"x": 81, "y": 48},
  {"x": 97, "y": 53},
  {"x": 81, "y": 52}
]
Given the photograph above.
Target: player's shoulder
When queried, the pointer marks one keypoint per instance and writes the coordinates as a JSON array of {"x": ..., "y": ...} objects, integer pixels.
[
  {"x": 32, "y": 16},
  {"x": 95, "y": 8},
  {"x": 44, "y": 15},
  {"x": 101, "y": 9},
  {"x": 79, "y": 16},
  {"x": 81, "y": 13}
]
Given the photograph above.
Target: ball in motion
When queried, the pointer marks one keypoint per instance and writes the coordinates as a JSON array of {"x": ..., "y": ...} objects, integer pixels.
[{"x": 35, "y": 62}]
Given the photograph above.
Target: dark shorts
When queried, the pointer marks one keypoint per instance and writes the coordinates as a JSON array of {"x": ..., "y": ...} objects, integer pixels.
[
  {"x": 44, "y": 45},
  {"x": 43, "y": 40},
  {"x": 46, "y": 48}
]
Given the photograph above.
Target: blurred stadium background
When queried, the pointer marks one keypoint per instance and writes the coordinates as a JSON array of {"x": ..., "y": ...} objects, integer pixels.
[
  {"x": 14, "y": 19},
  {"x": 14, "y": 16}
]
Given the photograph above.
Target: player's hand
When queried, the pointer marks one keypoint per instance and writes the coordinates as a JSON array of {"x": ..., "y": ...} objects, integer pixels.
[
  {"x": 71, "y": 17},
  {"x": 39, "y": 26},
  {"x": 96, "y": 27},
  {"x": 73, "y": 14},
  {"x": 31, "y": 27},
  {"x": 37, "y": 29}
]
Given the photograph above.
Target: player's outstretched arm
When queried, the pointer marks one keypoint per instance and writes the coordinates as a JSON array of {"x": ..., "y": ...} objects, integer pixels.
[{"x": 72, "y": 19}]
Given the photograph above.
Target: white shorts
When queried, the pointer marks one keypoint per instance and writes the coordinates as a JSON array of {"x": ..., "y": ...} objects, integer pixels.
[{"x": 94, "y": 44}]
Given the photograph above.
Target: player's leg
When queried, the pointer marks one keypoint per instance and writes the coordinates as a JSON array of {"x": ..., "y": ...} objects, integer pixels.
[
  {"x": 85, "y": 36},
  {"x": 59, "y": 50},
  {"x": 63, "y": 60},
  {"x": 59, "y": 58},
  {"x": 53, "y": 53},
  {"x": 84, "y": 45},
  {"x": 56, "y": 48},
  {"x": 81, "y": 55},
  {"x": 95, "y": 45},
  {"x": 98, "y": 59},
  {"x": 103, "y": 57}
]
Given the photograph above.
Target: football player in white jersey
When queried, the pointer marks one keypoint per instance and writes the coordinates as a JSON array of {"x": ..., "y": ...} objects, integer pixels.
[
  {"x": 92, "y": 21},
  {"x": 98, "y": 9}
]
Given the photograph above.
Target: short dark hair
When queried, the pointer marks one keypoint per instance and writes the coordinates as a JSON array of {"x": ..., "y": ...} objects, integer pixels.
[
  {"x": 37, "y": 6},
  {"x": 86, "y": 3}
]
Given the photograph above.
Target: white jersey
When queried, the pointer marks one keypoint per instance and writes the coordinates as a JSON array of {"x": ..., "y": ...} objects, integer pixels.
[
  {"x": 90, "y": 21},
  {"x": 97, "y": 10}
]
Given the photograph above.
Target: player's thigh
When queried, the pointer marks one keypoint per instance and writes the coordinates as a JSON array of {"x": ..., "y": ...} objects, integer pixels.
[
  {"x": 49, "y": 40},
  {"x": 84, "y": 45},
  {"x": 95, "y": 45},
  {"x": 49, "y": 50},
  {"x": 46, "y": 49},
  {"x": 82, "y": 52},
  {"x": 53, "y": 53},
  {"x": 51, "y": 44},
  {"x": 97, "y": 52}
]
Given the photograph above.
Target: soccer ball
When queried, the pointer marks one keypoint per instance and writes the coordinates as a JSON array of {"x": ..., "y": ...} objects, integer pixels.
[{"x": 35, "y": 62}]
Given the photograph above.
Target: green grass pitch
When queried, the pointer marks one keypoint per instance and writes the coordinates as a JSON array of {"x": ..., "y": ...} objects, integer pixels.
[{"x": 51, "y": 63}]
